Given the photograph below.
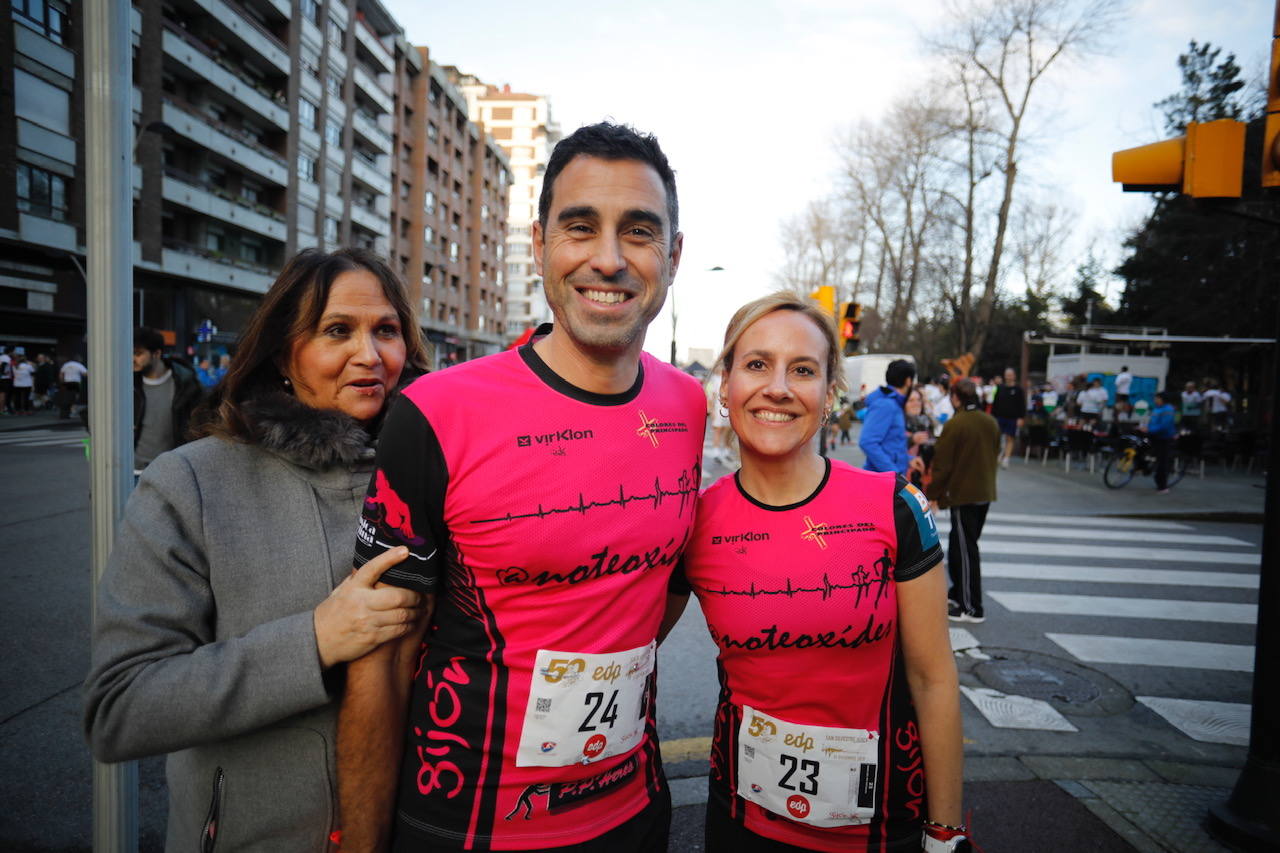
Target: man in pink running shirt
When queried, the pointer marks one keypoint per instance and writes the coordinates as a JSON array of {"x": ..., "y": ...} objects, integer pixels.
[{"x": 520, "y": 714}]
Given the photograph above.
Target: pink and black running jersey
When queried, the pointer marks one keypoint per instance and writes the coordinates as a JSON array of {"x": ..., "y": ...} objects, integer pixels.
[
  {"x": 801, "y": 602},
  {"x": 549, "y": 520}
]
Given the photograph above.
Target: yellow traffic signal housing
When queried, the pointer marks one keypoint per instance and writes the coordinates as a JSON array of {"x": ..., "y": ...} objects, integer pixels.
[
  {"x": 1271, "y": 133},
  {"x": 850, "y": 320},
  {"x": 1206, "y": 163},
  {"x": 826, "y": 297}
]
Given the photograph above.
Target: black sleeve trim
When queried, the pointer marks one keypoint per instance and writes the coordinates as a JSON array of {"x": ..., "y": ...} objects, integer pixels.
[
  {"x": 404, "y": 504},
  {"x": 914, "y": 557}
]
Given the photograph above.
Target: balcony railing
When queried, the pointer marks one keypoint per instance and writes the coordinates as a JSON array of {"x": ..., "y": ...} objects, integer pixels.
[
  {"x": 214, "y": 255},
  {"x": 225, "y": 195},
  {"x": 221, "y": 59},
  {"x": 238, "y": 134}
]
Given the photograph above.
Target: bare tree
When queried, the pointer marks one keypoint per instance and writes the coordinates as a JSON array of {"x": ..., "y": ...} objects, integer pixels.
[
  {"x": 1005, "y": 48},
  {"x": 1039, "y": 235},
  {"x": 817, "y": 246},
  {"x": 891, "y": 180}
]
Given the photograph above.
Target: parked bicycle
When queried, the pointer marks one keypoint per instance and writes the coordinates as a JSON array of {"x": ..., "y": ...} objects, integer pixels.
[{"x": 1133, "y": 454}]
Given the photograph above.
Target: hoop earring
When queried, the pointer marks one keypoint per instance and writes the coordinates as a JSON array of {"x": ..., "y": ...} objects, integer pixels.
[{"x": 724, "y": 413}]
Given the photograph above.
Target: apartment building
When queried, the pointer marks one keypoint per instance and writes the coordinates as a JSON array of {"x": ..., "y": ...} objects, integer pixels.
[
  {"x": 522, "y": 124},
  {"x": 262, "y": 127}
]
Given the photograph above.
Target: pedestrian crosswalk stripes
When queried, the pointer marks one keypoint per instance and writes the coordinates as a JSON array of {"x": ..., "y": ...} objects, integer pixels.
[
  {"x": 1088, "y": 521},
  {"x": 43, "y": 438},
  {"x": 1095, "y": 648},
  {"x": 1117, "y": 574},
  {"x": 1127, "y": 608},
  {"x": 1104, "y": 535},
  {"x": 1053, "y": 571},
  {"x": 1076, "y": 551}
]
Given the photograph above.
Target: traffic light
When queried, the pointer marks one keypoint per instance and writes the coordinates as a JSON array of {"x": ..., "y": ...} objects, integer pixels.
[
  {"x": 1271, "y": 134},
  {"x": 1208, "y": 162},
  {"x": 850, "y": 321},
  {"x": 826, "y": 297}
]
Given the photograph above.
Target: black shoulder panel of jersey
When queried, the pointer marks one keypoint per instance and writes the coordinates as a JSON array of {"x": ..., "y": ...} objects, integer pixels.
[
  {"x": 405, "y": 501},
  {"x": 918, "y": 547}
]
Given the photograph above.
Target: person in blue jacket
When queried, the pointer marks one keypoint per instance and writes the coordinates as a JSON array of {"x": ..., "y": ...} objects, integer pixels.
[
  {"x": 1162, "y": 432},
  {"x": 884, "y": 429}
]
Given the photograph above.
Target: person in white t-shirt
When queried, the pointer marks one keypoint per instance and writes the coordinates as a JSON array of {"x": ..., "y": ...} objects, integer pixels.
[
  {"x": 24, "y": 380},
  {"x": 6, "y": 381},
  {"x": 72, "y": 376},
  {"x": 1218, "y": 403},
  {"x": 1124, "y": 381},
  {"x": 1093, "y": 400}
]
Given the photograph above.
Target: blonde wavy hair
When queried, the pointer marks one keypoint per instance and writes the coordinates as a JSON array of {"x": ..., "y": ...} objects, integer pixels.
[{"x": 784, "y": 300}]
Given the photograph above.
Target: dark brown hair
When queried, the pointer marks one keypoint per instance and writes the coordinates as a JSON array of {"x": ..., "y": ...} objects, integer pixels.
[
  {"x": 289, "y": 310},
  {"x": 966, "y": 392}
]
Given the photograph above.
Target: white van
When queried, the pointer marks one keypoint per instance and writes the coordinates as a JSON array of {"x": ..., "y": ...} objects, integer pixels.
[{"x": 868, "y": 370}]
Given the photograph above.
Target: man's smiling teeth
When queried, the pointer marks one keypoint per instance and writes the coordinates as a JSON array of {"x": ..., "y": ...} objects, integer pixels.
[
  {"x": 778, "y": 417},
  {"x": 606, "y": 297}
]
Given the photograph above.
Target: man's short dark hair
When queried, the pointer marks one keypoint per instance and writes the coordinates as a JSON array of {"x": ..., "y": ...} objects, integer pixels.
[
  {"x": 898, "y": 372},
  {"x": 966, "y": 392},
  {"x": 1162, "y": 397},
  {"x": 609, "y": 141},
  {"x": 147, "y": 339}
]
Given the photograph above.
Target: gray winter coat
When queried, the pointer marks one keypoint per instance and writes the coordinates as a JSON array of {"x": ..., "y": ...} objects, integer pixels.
[{"x": 205, "y": 646}]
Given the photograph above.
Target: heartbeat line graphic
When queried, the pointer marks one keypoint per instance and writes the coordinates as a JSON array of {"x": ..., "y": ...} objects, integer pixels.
[
  {"x": 861, "y": 581},
  {"x": 686, "y": 491}
]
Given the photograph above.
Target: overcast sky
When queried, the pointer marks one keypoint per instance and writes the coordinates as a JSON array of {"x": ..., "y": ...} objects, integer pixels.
[{"x": 747, "y": 96}]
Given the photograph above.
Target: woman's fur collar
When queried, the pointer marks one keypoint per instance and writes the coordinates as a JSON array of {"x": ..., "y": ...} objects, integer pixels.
[{"x": 312, "y": 438}]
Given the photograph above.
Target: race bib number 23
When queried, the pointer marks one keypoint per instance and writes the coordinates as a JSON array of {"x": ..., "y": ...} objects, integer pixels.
[
  {"x": 819, "y": 775},
  {"x": 584, "y": 707}
]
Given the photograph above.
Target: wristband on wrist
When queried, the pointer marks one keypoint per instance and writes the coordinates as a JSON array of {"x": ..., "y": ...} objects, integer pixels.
[{"x": 943, "y": 838}]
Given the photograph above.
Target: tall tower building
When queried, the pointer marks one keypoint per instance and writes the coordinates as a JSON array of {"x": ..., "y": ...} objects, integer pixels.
[
  {"x": 523, "y": 126},
  {"x": 262, "y": 127}
]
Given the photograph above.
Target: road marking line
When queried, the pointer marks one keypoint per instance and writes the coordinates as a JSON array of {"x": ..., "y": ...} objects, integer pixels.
[
  {"x": 684, "y": 749},
  {"x": 1127, "y": 608},
  {"x": 1203, "y": 719},
  {"x": 1153, "y": 536},
  {"x": 1006, "y": 711},
  {"x": 1116, "y": 574},
  {"x": 1116, "y": 552},
  {"x": 1185, "y": 654},
  {"x": 1087, "y": 521}
]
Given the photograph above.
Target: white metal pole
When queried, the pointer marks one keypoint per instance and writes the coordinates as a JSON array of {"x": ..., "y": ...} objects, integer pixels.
[{"x": 109, "y": 249}]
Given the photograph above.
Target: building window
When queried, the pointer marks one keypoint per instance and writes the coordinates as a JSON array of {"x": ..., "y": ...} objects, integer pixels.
[
  {"x": 215, "y": 240},
  {"x": 47, "y": 17},
  {"x": 433, "y": 132},
  {"x": 308, "y": 58},
  {"x": 334, "y": 84},
  {"x": 404, "y": 191},
  {"x": 311, "y": 11},
  {"x": 333, "y": 132},
  {"x": 429, "y": 202},
  {"x": 306, "y": 167},
  {"x": 250, "y": 250},
  {"x": 331, "y": 229},
  {"x": 41, "y": 102},
  {"x": 42, "y": 193},
  {"x": 502, "y": 133},
  {"x": 453, "y": 251},
  {"x": 428, "y": 235},
  {"x": 484, "y": 211},
  {"x": 250, "y": 191},
  {"x": 336, "y": 34},
  {"x": 307, "y": 114},
  {"x": 502, "y": 113}
]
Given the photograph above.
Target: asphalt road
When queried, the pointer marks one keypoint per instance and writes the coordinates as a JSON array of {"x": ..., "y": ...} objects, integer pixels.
[{"x": 1030, "y": 644}]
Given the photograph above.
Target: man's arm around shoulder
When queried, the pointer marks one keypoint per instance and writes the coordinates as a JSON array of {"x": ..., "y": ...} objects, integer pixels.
[{"x": 371, "y": 724}]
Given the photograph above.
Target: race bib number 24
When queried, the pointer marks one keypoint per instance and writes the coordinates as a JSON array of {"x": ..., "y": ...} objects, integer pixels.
[{"x": 584, "y": 707}]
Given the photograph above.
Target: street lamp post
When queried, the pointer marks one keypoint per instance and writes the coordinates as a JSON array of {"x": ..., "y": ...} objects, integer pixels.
[{"x": 716, "y": 268}]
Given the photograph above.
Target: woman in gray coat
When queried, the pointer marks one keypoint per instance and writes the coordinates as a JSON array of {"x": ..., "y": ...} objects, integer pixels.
[{"x": 228, "y": 604}]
